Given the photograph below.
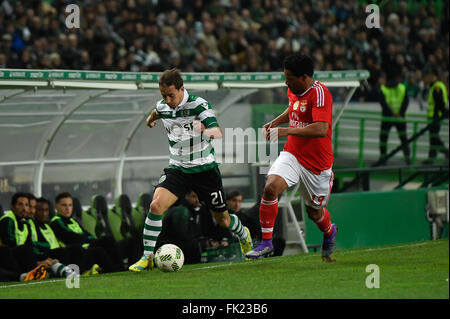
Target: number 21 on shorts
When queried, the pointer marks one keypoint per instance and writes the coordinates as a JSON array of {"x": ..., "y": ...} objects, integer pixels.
[{"x": 217, "y": 198}]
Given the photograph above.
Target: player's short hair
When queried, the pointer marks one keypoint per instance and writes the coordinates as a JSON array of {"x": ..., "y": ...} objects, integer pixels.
[
  {"x": 31, "y": 196},
  {"x": 171, "y": 77},
  {"x": 61, "y": 196},
  {"x": 43, "y": 200},
  {"x": 16, "y": 197},
  {"x": 299, "y": 64}
]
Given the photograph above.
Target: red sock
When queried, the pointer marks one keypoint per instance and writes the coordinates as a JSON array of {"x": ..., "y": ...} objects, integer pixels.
[
  {"x": 324, "y": 223},
  {"x": 268, "y": 212}
]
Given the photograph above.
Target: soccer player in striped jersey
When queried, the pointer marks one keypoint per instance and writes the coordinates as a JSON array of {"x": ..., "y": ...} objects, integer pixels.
[
  {"x": 307, "y": 157},
  {"x": 190, "y": 124}
]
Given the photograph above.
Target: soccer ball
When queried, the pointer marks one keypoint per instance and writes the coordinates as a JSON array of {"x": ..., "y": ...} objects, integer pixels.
[{"x": 169, "y": 258}]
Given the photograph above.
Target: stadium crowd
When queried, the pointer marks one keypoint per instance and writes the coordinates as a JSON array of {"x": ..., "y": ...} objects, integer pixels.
[{"x": 227, "y": 36}]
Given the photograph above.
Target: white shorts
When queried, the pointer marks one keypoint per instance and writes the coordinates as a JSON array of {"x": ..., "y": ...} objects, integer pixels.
[{"x": 314, "y": 189}]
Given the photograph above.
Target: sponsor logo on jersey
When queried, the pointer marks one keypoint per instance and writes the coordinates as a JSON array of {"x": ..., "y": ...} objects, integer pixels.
[{"x": 294, "y": 123}]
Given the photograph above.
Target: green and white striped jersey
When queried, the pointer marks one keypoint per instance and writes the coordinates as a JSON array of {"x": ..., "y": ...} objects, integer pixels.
[{"x": 189, "y": 150}]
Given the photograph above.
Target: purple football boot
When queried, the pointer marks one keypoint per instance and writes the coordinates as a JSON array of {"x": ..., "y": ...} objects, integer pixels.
[
  {"x": 265, "y": 249},
  {"x": 329, "y": 244}
]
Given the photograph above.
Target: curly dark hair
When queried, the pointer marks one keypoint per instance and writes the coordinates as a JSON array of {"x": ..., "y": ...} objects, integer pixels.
[{"x": 299, "y": 64}]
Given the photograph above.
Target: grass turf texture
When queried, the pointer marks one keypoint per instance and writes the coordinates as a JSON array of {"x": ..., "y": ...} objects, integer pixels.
[{"x": 416, "y": 270}]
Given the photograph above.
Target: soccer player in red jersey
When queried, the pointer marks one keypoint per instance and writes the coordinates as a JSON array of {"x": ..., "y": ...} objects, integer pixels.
[{"x": 307, "y": 157}]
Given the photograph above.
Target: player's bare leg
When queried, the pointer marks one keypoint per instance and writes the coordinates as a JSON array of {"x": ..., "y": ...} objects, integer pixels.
[
  {"x": 321, "y": 217},
  {"x": 162, "y": 200},
  {"x": 275, "y": 186}
]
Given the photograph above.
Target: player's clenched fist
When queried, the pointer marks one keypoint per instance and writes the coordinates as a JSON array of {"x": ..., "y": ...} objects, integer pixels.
[
  {"x": 151, "y": 119},
  {"x": 151, "y": 123},
  {"x": 270, "y": 132}
]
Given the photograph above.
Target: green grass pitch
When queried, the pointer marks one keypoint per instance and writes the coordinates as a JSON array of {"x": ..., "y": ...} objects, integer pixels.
[{"x": 415, "y": 270}]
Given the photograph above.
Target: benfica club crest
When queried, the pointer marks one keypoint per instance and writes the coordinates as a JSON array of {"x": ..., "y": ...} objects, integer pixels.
[{"x": 303, "y": 106}]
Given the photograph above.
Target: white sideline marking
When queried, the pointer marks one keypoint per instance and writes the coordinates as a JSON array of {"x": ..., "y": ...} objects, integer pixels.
[
  {"x": 341, "y": 252},
  {"x": 384, "y": 248},
  {"x": 252, "y": 262},
  {"x": 33, "y": 283}
]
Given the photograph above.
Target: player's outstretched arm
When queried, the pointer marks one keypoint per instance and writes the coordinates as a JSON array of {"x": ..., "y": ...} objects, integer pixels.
[
  {"x": 151, "y": 119},
  {"x": 280, "y": 119}
]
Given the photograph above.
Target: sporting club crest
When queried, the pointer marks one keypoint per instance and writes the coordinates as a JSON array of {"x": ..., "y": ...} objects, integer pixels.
[{"x": 162, "y": 179}]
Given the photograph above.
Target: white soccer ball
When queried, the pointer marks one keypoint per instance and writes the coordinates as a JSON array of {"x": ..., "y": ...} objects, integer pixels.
[{"x": 169, "y": 258}]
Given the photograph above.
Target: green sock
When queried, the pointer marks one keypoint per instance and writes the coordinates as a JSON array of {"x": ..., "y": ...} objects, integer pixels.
[
  {"x": 237, "y": 228},
  {"x": 152, "y": 228}
]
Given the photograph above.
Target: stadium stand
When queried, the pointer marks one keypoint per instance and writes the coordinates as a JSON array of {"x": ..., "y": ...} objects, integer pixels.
[
  {"x": 131, "y": 222},
  {"x": 121, "y": 221},
  {"x": 85, "y": 218},
  {"x": 119, "y": 217},
  {"x": 89, "y": 222},
  {"x": 139, "y": 213},
  {"x": 224, "y": 36},
  {"x": 77, "y": 209},
  {"x": 99, "y": 209}
]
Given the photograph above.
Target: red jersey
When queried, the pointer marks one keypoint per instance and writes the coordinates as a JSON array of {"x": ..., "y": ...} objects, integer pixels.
[{"x": 314, "y": 105}]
